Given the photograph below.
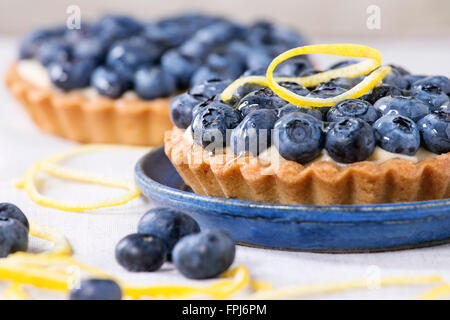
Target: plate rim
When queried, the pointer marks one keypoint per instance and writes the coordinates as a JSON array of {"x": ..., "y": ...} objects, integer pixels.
[{"x": 347, "y": 211}]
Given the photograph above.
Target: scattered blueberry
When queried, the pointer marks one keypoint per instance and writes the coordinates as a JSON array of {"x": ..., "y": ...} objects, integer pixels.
[
  {"x": 96, "y": 289},
  {"x": 300, "y": 137},
  {"x": 168, "y": 225},
  {"x": 353, "y": 108},
  {"x": 397, "y": 134},
  {"x": 153, "y": 82},
  {"x": 13, "y": 236},
  {"x": 9, "y": 210},
  {"x": 435, "y": 130},
  {"x": 409, "y": 107},
  {"x": 108, "y": 82},
  {"x": 204, "y": 255},
  {"x": 141, "y": 252},
  {"x": 350, "y": 140},
  {"x": 254, "y": 133},
  {"x": 213, "y": 122},
  {"x": 71, "y": 75}
]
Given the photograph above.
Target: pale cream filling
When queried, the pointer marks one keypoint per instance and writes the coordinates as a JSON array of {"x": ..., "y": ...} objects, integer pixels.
[
  {"x": 379, "y": 155},
  {"x": 35, "y": 73}
]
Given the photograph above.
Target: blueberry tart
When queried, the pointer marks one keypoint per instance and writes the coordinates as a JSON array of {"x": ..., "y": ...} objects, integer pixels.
[
  {"x": 390, "y": 145},
  {"x": 111, "y": 80}
]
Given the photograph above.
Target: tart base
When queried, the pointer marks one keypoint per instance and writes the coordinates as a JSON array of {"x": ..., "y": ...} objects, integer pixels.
[
  {"x": 74, "y": 116},
  {"x": 319, "y": 183}
]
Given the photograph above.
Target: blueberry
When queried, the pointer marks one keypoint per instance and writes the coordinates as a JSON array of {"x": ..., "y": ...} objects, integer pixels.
[
  {"x": 127, "y": 56},
  {"x": 258, "y": 58},
  {"x": 217, "y": 33},
  {"x": 195, "y": 49},
  {"x": 397, "y": 134},
  {"x": 8, "y": 210},
  {"x": 108, "y": 82},
  {"x": 381, "y": 91},
  {"x": 295, "y": 88},
  {"x": 400, "y": 70},
  {"x": 213, "y": 122},
  {"x": 289, "y": 108},
  {"x": 198, "y": 107},
  {"x": 141, "y": 252},
  {"x": 13, "y": 236},
  {"x": 326, "y": 91},
  {"x": 117, "y": 26},
  {"x": 292, "y": 68},
  {"x": 181, "y": 108},
  {"x": 166, "y": 36},
  {"x": 245, "y": 89},
  {"x": 394, "y": 78},
  {"x": 225, "y": 64},
  {"x": 350, "y": 140},
  {"x": 342, "y": 64},
  {"x": 435, "y": 130},
  {"x": 71, "y": 75},
  {"x": 209, "y": 88},
  {"x": 254, "y": 72},
  {"x": 180, "y": 66},
  {"x": 153, "y": 82},
  {"x": 93, "y": 48},
  {"x": 31, "y": 42},
  {"x": 411, "y": 78},
  {"x": 96, "y": 289},
  {"x": 263, "y": 98},
  {"x": 206, "y": 73},
  {"x": 204, "y": 255},
  {"x": 340, "y": 82},
  {"x": 437, "y": 81},
  {"x": 300, "y": 137},
  {"x": 409, "y": 107},
  {"x": 167, "y": 224},
  {"x": 254, "y": 133},
  {"x": 54, "y": 51},
  {"x": 430, "y": 94},
  {"x": 353, "y": 108}
]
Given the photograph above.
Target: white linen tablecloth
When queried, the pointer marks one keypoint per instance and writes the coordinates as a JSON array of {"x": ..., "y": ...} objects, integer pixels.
[{"x": 93, "y": 236}]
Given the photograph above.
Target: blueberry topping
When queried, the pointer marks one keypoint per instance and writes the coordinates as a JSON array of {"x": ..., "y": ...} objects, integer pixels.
[
  {"x": 209, "y": 88},
  {"x": 30, "y": 44},
  {"x": 13, "y": 236},
  {"x": 300, "y": 137},
  {"x": 93, "y": 48},
  {"x": 141, "y": 252},
  {"x": 411, "y": 78},
  {"x": 437, "y": 81},
  {"x": 350, "y": 140},
  {"x": 430, "y": 94},
  {"x": 199, "y": 106},
  {"x": 204, "y": 255},
  {"x": 353, "y": 108},
  {"x": 400, "y": 70},
  {"x": 289, "y": 108},
  {"x": 151, "y": 83},
  {"x": 295, "y": 88},
  {"x": 181, "y": 108},
  {"x": 435, "y": 130},
  {"x": 397, "y": 134},
  {"x": 8, "y": 210},
  {"x": 167, "y": 224},
  {"x": 325, "y": 90},
  {"x": 342, "y": 64},
  {"x": 96, "y": 289},
  {"x": 263, "y": 98},
  {"x": 54, "y": 51},
  {"x": 180, "y": 66},
  {"x": 379, "y": 92},
  {"x": 71, "y": 75},
  {"x": 394, "y": 78},
  {"x": 409, "y": 107},
  {"x": 212, "y": 123},
  {"x": 108, "y": 82},
  {"x": 254, "y": 133},
  {"x": 292, "y": 68}
]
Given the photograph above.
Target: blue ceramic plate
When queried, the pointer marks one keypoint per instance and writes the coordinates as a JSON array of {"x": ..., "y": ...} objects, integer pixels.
[{"x": 349, "y": 228}]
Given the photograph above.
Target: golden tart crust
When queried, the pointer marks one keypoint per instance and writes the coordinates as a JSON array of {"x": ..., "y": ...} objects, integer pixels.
[
  {"x": 320, "y": 183},
  {"x": 74, "y": 116}
]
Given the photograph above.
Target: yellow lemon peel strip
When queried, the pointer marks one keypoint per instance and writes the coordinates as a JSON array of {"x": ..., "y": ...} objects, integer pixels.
[
  {"x": 327, "y": 288},
  {"x": 49, "y": 166},
  {"x": 348, "y": 50},
  {"x": 439, "y": 292},
  {"x": 60, "y": 244},
  {"x": 15, "y": 292}
]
